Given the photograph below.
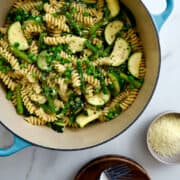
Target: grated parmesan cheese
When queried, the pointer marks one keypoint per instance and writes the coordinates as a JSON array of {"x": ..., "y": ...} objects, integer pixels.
[{"x": 164, "y": 135}]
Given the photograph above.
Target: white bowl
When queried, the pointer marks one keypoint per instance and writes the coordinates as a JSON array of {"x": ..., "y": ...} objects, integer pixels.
[{"x": 163, "y": 159}]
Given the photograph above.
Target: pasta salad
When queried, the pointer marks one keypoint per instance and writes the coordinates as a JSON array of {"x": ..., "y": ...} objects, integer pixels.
[{"x": 70, "y": 63}]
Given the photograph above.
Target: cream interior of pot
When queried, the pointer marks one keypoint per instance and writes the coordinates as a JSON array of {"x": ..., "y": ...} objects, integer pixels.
[{"x": 100, "y": 132}]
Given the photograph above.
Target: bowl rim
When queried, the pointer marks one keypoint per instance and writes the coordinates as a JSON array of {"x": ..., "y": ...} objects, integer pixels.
[{"x": 155, "y": 155}]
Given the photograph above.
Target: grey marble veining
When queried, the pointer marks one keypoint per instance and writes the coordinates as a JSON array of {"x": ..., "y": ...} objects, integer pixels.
[{"x": 35, "y": 163}]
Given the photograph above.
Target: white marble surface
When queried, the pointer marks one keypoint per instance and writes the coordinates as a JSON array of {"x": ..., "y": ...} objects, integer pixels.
[{"x": 41, "y": 164}]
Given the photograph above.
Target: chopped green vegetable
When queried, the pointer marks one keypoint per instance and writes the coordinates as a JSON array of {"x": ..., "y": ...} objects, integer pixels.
[
  {"x": 131, "y": 80},
  {"x": 58, "y": 126},
  {"x": 115, "y": 81},
  {"x": 21, "y": 54},
  {"x": 80, "y": 71},
  {"x": 89, "y": 45},
  {"x": 20, "y": 108},
  {"x": 9, "y": 95},
  {"x": 73, "y": 23}
]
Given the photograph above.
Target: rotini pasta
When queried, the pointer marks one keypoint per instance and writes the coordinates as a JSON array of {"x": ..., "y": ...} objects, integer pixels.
[
  {"x": 58, "y": 23},
  {"x": 45, "y": 116},
  {"x": 7, "y": 81},
  {"x": 32, "y": 69},
  {"x": 50, "y": 9},
  {"x": 35, "y": 120},
  {"x": 86, "y": 20},
  {"x": 32, "y": 108},
  {"x": 91, "y": 80},
  {"x": 38, "y": 98},
  {"x": 29, "y": 5},
  {"x": 82, "y": 9},
  {"x": 129, "y": 100},
  {"x": 59, "y": 66},
  {"x": 32, "y": 29},
  {"x": 33, "y": 48},
  {"x": 10, "y": 58},
  {"x": 4, "y": 44},
  {"x": 75, "y": 79},
  {"x": 132, "y": 37},
  {"x": 89, "y": 90},
  {"x": 100, "y": 4}
]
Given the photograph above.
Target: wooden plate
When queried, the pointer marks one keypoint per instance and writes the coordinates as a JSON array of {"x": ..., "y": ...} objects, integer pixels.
[{"x": 93, "y": 169}]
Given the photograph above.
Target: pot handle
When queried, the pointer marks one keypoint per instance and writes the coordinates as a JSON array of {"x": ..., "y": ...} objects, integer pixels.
[
  {"x": 17, "y": 145},
  {"x": 160, "y": 19}
]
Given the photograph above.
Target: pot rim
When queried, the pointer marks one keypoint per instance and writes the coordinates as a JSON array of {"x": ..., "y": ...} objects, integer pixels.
[{"x": 135, "y": 119}]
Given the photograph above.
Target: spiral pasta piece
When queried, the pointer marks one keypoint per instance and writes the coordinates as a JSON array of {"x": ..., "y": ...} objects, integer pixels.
[
  {"x": 82, "y": 9},
  {"x": 4, "y": 44},
  {"x": 86, "y": 20},
  {"x": 67, "y": 56},
  {"x": 51, "y": 80},
  {"x": 14, "y": 100},
  {"x": 111, "y": 105},
  {"x": 56, "y": 40},
  {"x": 9, "y": 58},
  {"x": 92, "y": 80},
  {"x": 32, "y": 70},
  {"x": 33, "y": 48},
  {"x": 32, "y": 29},
  {"x": 36, "y": 88},
  {"x": 38, "y": 98},
  {"x": 7, "y": 81},
  {"x": 29, "y": 5},
  {"x": 76, "y": 82},
  {"x": 130, "y": 99},
  {"x": 35, "y": 120},
  {"x": 58, "y": 23},
  {"x": 77, "y": 91},
  {"x": 142, "y": 69},
  {"x": 31, "y": 107},
  {"x": 48, "y": 8},
  {"x": 58, "y": 104},
  {"x": 16, "y": 75},
  {"x": 59, "y": 67},
  {"x": 132, "y": 37},
  {"x": 58, "y": 3},
  {"x": 89, "y": 90},
  {"x": 35, "y": 12},
  {"x": 54, "y": 32},
  {"x": 45, "y": 116},
  {"x": 100, "y": 4}
]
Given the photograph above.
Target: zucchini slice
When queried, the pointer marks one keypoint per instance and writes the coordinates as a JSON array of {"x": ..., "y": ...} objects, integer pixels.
[
  {"x": 76, "y": 44},
  {"x": 134, "y": 63},
  {"x": 82, "y": 120},
  {"x": 111, "y": 30},
  {"x": 42, "y": 62},
  {"x": 114, "y": 7},
  {"x": 120, "y": 52},
  {"x": 115, "y": 78},
  {"x": 15, "y": 35},
  {"x": 99, "y": 99}
]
